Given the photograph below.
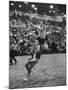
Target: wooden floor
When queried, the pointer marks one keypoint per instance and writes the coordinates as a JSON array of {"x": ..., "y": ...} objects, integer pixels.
[{"x": 50, "y": 71}]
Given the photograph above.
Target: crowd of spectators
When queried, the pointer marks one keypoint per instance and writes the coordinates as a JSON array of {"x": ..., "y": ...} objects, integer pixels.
[{"x": 23, "y": 30}]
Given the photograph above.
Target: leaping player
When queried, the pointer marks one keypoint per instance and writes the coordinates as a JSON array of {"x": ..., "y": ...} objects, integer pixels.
[{"x": 38, "y": 47}]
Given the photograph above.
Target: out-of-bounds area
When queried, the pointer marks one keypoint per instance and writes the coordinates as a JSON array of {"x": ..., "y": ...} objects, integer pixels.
[{"x": 50, "y": 71}]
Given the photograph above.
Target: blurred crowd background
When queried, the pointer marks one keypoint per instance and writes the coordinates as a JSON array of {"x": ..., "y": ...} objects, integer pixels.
[{"x": 24, "y": 27}]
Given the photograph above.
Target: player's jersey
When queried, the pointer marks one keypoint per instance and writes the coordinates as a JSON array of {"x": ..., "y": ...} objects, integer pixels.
[{"x": 37, "y": 55}]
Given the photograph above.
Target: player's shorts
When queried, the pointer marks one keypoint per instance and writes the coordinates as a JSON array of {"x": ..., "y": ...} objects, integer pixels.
[
  {"x": 38, "y": 54},
  {"x": 30, "y": 64}
]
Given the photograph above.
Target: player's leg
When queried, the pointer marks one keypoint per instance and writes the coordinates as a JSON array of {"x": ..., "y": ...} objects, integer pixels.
[
  {"x": 38, "y": 55},
  {"x": 15, "y": 60},
  {"x": 28, "y": 68},
  {"x": 11, "y": 60},
  {"x": 41, "y": 48}
]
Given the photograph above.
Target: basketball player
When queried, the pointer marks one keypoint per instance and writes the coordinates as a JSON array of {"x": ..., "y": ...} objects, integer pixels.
[
  {"x": 36, "y": 56},
  {"x": 40, "y": 40}
]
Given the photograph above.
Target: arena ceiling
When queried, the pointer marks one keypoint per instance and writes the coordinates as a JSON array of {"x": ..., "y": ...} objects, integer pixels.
[{"x": 37, "y": 7}]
